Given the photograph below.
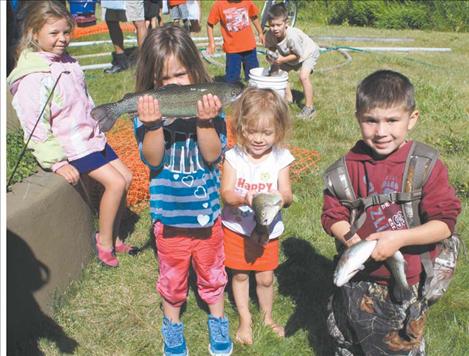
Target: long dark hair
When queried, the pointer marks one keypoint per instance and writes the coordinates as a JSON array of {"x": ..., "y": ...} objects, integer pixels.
[{"x": 160, "y": 44}]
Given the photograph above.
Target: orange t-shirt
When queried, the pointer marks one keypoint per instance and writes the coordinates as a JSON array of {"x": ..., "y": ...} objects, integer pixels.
[
  {"x": 235, "y": 19},
  {"x": 172, "y": 3}
]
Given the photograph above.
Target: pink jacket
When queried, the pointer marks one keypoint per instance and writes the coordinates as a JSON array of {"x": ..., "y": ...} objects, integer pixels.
[{"x": 66, "y": 130}]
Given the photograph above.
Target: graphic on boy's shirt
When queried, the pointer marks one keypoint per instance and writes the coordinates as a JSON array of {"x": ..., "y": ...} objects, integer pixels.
[
  {"x": 237, "y": 19},
  {"x": 387, "y": 216}
]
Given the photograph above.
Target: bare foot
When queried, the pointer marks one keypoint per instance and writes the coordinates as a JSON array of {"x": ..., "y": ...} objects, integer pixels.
[
  {"x": 244, "y": 335},
  {"x": 277, "y": 329}
]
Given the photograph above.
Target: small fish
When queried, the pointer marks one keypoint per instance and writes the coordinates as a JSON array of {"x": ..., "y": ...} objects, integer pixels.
[
  {"x": 353, "y": 259},
  {"x": 175, "y": 101},
  {"x": 266, "y": 207}
]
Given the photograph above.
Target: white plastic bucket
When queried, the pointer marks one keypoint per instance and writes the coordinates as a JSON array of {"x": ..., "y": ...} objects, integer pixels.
[{"x": 258, "y": 77}]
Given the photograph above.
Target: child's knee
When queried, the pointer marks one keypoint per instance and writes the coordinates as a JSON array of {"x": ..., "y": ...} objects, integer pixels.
[
  {"x": 265, "y": 279},
  {"x": 128, "y": 179},
  {"x": 241, "y": 277},
  {"x": 304, "y": 77}
]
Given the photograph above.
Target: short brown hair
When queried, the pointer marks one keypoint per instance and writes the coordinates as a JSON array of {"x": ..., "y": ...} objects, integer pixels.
[
  {"x": 277, "y": 11},
  {"x": 384, "y": 88},
  {"x": 255, "y": 103}
]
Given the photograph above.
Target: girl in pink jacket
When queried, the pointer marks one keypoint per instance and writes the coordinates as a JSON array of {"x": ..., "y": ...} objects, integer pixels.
[{"x": 66, "y": 139}]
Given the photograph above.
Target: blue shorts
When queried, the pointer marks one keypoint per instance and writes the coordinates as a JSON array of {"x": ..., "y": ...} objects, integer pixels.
[{"x": 94, "y": 160}]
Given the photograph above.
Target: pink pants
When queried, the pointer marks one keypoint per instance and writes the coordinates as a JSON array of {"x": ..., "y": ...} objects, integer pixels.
[{"x": 176, "y": 248}]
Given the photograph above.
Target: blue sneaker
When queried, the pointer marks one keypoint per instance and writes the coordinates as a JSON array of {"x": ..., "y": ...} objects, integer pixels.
[
  {"x": 219, "y": 333},
  {"x": 173, "y": 337}
]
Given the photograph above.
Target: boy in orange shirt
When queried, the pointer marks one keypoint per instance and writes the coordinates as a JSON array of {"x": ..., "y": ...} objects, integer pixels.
[{"x": 239, "y": 42}]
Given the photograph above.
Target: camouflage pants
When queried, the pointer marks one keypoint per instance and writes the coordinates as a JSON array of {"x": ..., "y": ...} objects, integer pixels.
[{"x": 363, "y": 320}]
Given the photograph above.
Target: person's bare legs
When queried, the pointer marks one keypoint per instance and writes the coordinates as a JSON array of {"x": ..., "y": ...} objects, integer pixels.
[
  {"x": 307, "y": 87},
  {"x": 127, "y": 174},
  {"x": 114, "y": 185},
  {"x": 217, "y": 309},
  {"x": 141, "y": 29},
  {"x": 288, "y": 94},
  {"x": 265, "y": 294},
  {"x": 240, "y": 286},
  {"x": 171, "y": 312}
]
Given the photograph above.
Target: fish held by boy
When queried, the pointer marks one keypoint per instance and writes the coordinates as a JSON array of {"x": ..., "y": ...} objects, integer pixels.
[
  {"x": 176, "y": 101},
  {"x": 353, "y": 259},
  {"x": 266, "y": 207}
]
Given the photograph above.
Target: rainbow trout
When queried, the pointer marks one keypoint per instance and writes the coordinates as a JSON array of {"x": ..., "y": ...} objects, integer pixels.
[
  {"x": 266, "y": 207},
  {"x": 353, "y": 259},
  {"x": 176, "y": 101}
]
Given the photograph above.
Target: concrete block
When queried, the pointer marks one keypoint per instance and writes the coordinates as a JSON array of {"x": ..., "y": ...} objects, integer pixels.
[{"x": 49, "y": 241}]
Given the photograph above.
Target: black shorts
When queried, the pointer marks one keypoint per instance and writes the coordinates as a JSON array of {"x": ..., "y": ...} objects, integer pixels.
[
  {"x": 152, "y": 8},
  {"x": 114, "y": 15}
]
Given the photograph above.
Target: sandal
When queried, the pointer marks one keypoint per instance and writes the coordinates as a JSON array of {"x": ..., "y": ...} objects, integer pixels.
[
  {"x": 122, "y": 247},
  {"x": 106, "y": 256}
]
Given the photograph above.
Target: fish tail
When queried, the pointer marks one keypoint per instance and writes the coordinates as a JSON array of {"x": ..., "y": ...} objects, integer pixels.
[
  {"x": 106, "y": 116},
  {"x": 401, "y": 292}
]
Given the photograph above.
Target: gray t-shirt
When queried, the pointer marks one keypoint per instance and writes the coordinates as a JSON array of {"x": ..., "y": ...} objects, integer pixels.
[{"x": 295, "y": 41}]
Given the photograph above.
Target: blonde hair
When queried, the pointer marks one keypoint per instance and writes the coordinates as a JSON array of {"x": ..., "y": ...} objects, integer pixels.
[
  {"x": 37, "y": 14},
  {"x": 162, "y": 43},
  {"x": 255, "y": 104}
]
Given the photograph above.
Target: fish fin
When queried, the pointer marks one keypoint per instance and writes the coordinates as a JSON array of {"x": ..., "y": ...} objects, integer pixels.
[
  {"x": 105, "y": 115},
  {"x": 260, "y": 235},
  {"x": 169, "y": 86},
  {"x": 400, "y": 292}
]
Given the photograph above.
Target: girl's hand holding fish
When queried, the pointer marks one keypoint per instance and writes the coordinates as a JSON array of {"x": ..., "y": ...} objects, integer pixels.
[
  {"x": 388, "y": 243},
  {"x": 208, "y": 107},
  {"x": 148, "y": 110},
  {"x": 248, "y": 198}
]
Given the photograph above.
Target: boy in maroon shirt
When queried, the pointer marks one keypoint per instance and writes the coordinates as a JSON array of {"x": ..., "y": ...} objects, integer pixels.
[{"x": 364, "y": 318}]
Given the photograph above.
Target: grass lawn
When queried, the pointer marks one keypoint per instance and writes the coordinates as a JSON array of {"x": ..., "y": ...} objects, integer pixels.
[{"x": 117, "y": 312}]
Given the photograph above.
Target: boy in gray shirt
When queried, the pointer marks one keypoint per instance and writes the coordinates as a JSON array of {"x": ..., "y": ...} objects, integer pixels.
[{"x": 295, "y": 51}]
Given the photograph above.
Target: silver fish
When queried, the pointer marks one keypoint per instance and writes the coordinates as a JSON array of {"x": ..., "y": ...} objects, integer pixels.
[
  {"x": 354, "y": 258},
  {"x": 175, "y": 101},
  {"x": 266, "y": 207}
]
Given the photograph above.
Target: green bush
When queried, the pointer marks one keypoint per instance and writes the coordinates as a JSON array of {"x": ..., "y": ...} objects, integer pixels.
[
  {"x": 359, "y": 13},
  {"x": 398, "y": 16},
  {"x": 27, "y": 166},
  {"x": 436, "y": 15}
]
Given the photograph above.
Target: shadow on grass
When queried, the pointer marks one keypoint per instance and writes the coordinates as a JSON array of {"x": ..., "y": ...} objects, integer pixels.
[
  {"x": 298, "y": 97},
  {"x": 26, "y": 322},
  {"x": 306, "y": 277}
]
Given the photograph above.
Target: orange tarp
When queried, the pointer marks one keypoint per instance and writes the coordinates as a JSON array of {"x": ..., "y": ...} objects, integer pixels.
[{"x": 122, "y": 140}]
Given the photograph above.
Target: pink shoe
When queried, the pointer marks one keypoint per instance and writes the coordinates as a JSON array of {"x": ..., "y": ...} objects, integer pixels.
[
  {"x": 106, "y": 256},
  {"x": 122, "y": 247}
]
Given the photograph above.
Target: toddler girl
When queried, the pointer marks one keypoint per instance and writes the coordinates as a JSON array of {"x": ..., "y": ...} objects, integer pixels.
[
  {"x": 67, "y": 139},
  {"x": 184, "y": 180},
  {"x": 258, "y": 163}
]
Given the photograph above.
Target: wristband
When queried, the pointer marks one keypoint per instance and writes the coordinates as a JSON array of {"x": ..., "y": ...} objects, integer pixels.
[
  {"x": 154, "y": 126},
  {"x": 204, "y": 123}
]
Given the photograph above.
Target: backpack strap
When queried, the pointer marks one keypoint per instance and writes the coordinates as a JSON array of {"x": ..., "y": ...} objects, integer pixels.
[
  {"x": 337, "y": 182},
  {"x": 420, "y": 162},
  {"x": 419, "y": 165}
]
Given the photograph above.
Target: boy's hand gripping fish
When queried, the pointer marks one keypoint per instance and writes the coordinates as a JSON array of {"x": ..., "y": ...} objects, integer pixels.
[
  {"x": 176, "y": 101},
  {"x": 266, "y": 207},
  {"x": 353, "y": 259}
]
